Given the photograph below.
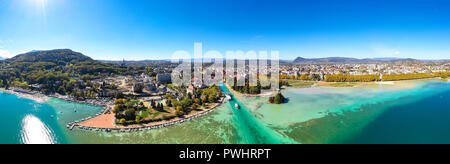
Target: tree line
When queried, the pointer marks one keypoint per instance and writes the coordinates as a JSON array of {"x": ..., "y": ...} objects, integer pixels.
[{"x": 351, "y": 78}]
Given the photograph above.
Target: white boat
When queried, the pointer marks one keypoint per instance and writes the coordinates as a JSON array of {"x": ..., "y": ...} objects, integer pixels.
[{"x": 237, "y": 106}]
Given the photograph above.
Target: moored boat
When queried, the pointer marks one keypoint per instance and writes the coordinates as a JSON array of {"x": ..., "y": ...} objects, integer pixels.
[
  {"x": 228, "y": 96},
  {"x": 237, "y": 106}
]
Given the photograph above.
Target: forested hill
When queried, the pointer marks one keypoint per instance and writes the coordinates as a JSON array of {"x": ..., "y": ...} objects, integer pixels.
[
  {"x": 59, "y": 57},
  {"x": 59, "y": 60}
]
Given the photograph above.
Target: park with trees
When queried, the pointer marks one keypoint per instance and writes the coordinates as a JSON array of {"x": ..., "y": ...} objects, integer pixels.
[{"x": 133, "y": 111}]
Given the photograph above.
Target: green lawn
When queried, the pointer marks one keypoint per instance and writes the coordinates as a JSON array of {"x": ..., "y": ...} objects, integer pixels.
[
  {"x": 343, "y": 84},
  {"x": 144, "y": 114},
  {"x": 156, "y": 114}
]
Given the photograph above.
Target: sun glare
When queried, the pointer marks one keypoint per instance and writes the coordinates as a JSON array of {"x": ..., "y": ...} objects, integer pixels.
[
  {"x": 41, "y": 3},
  {"x": 40, "y": 8}
]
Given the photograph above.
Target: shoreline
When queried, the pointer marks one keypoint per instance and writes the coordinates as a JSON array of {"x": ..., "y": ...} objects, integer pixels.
[
  {"x": 42, "y": 98},
  {"x": 95, "y": 122},
  {"x": 101, "y": 102},
  {"x": 266, "y": 94},
  {"x": 106, "y": 121},
  {"x": 35, "y": 96},
  {"x": 324, "y": 84}
]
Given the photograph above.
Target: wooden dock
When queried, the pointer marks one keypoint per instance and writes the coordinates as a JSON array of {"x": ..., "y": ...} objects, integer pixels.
[{"x": 108, "y": 110}]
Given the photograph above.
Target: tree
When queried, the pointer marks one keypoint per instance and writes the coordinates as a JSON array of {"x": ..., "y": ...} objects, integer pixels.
[
  {"x": 157, "y": 107},
  {"x": 410, "y": 76},
  {"x": 179, "y": 108},
  {"x": 153, "y": 104},
  {"x": 352, "y": 78},
  {"x": 116, "y": 109},
  {"x": 179, "y": 113},
  {"x": 194, "y": 106},
  {"x": 138, "y": 119},
  {"x": 138, "y": 87},
  {"x": 316, "y": 77},
  {"x": 271, "y": 100},
  {"x": 198, "y": 101},
  {"x": 130, "y": 114},
  {"x": 212, "y": 98},
  {"x": 169, "y": 103},
  {"x": 277, "y": 99},
  {"x": 304, "y": 77},
  {"x": 161, "y": 107},
  {"x": 204, "y": 99}
]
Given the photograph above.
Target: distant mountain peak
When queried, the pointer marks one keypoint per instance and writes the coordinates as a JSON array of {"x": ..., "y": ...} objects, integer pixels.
[
  {"x": 299, "y": 59},
  {"x": 350, "y": 60},
  {"x": 35, "y": 51},
  {"x": 324, "y": 60},
  {"x": 59, "y": 56}
]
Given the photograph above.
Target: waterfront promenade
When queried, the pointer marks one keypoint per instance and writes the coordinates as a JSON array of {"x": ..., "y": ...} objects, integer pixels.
[{"x": 107, "y": 121}]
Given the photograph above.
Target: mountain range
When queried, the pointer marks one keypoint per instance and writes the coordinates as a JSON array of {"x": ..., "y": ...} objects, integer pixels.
[{"x": 69, "y": 56}]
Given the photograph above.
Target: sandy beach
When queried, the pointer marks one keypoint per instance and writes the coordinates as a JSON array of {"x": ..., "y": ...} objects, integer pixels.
[{"x": 385, "y": 82}]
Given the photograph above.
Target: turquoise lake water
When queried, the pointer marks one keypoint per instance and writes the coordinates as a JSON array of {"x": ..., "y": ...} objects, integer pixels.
[
  {"x": 424, "y": 121},
  {"x": 26, "y": 121},
  {"x": 418, "y": 113}
]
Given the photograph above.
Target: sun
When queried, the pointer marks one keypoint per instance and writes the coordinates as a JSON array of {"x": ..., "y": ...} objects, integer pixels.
[{"x": 40, "y": 8}]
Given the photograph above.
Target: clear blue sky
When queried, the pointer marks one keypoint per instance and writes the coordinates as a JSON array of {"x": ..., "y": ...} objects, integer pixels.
[{"x": 154, "y": 29}]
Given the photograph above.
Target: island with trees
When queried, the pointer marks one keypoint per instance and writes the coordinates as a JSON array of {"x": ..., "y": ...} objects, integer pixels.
[{"x": 277, "y": 99}]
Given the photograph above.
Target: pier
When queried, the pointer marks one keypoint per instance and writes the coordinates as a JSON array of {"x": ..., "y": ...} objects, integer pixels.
[{"x": 72, "y": 126}]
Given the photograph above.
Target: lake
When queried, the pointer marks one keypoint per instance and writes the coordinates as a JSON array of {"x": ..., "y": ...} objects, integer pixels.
[{"x": 413, "y": 112}]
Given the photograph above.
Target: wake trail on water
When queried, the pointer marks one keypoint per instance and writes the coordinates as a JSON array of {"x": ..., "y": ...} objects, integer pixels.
[{"x": 250, "y": 129}]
